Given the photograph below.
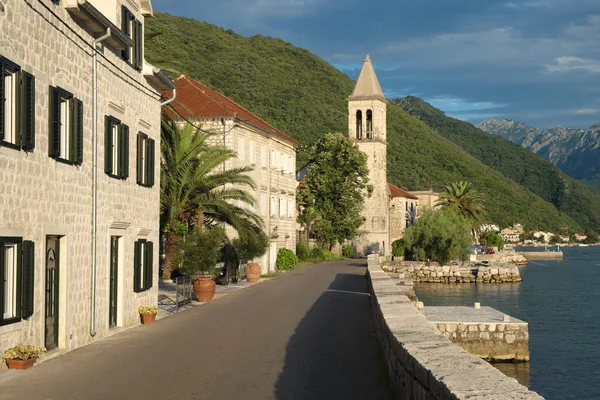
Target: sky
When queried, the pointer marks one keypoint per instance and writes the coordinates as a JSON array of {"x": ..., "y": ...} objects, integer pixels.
[{"x": 534, "y": 61}]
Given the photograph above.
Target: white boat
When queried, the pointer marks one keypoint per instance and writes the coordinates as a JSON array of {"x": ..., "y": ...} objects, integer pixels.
[{"x": 584, "y": 245}]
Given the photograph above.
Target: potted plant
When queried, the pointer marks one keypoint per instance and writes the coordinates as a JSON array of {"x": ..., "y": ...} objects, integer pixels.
[
  {"x": 22, "y": 356},
  {"x": 197, "y": 254},
  {"x": 148, "y": 313},
  {"x": 249, "y": 247}
]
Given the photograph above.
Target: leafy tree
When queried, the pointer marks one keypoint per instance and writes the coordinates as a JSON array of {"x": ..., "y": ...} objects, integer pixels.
[
  {"x": 398, "y": 247},
  {"x": 440, "y": 235},
  {"x": 592, "y": 237},
  {"x": 492, "y": 239},
  {"x": 465, "y": 200},
  {"x": 308, "y": 218},
  {"x": 193, "y": 187},
  {"x": 335, "y": 186}
]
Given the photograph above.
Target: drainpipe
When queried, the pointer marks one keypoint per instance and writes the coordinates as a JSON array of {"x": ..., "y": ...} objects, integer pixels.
[
  {"x": 171, "y": 99},
  {"x": 95, "y": 180}
]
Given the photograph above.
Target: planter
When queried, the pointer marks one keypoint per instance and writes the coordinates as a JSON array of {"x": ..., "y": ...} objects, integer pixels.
[
  {"x": 21, "y": 364},
  {"x": 148, "y": 318},
  {"x": 253, "y": 272},
  {"x": 204, "y": 288}
]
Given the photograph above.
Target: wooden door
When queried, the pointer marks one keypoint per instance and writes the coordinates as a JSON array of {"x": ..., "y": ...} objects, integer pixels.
[{"x": 113, "y": 283}]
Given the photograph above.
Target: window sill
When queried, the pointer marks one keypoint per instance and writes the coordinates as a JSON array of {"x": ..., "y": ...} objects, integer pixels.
[
  {"x": 11, "y": 327},
  {"x": 64, "y": 161},
  {"x": 9, "y": 145},
  {"x": 117, "y": 177}
]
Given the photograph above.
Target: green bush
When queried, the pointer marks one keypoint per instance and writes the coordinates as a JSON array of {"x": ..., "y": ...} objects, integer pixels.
[
  {"x": 329, "y": 256},
  {"x": 398, "y": 247},
  {"x": 286, "y": 259},
  {"x": 347, "y": 251},
  {"x": 302, "y": 251},
  {"x": 492, "y": 239},
  {"x": 317, "y": 253}
]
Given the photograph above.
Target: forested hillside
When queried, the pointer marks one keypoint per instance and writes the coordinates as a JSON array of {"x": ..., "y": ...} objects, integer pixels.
[
  {"x": 530, "y": 170},
  {"x": 304, "y": 96}
]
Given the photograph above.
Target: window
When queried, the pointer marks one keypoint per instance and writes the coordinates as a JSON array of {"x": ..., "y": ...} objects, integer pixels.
[
  {"x": 263, "y": 157},
  {"x": 369, "y": 124},
  {"x": 282, "y": 210},
  {"x": 263, "y": 203},
  {"x": 359, "y": 124},
  {"x": 17, "y": 107},
  {"x": 251, "y": 153},
  {"x": 273, "y": 159},
  {"x": 291, "y": 165},
  {"x": 241, "y": 154},
  {"x": 145, "y": 160},
  {"x": 116, "y": 148},
  {"x": 273, "y": 207},
  {"x": 142, "y": 265},
  {"x": 66, "y": 127},
  {"x": 290, "y": 208},
  {"x": 16, "y": 279},
  {"x": 134, "y": 29},
  {"x": 285, "y": 163}
]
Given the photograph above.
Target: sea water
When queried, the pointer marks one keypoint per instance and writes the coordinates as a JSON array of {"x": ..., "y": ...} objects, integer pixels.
[{"x": 561, "y": 302}]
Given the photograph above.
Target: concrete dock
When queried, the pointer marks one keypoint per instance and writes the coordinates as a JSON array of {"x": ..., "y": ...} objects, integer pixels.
[
  {"x": 483, "y": 331},
  {"x": 542, "y": 255}
]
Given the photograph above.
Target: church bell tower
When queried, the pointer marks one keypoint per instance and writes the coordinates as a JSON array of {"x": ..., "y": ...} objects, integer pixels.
[{"x": 367, "y": 127}]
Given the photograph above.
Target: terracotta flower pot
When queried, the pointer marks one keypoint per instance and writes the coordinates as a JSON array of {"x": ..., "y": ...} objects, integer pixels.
[
  {"x": 204, "y": 288},
  {"x": 20, "y": 364},
  {"x": 253, "y": 272},
  {"x": 148, "y": 318}
]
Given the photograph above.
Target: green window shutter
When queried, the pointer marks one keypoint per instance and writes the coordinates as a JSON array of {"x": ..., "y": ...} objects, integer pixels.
[
  {"x": 108, "y": 161},
  {"x": 125, "y": 18},
  {"x": 2, "y": 101},
  {"x": 28, "y": 280},
  {"x": 28, "y": 111},
  {"x": 139, "y": 163},
  {"x": 124, "y": 151},
  {"x": 137, "y": 266},
  {"x": 139, "y": 45},
  {"x": 148, "y": 266},
  {"x": 150, "y": 163},
  {"x": 54, "y": 139},
  {"x": 78, "y": 131}
]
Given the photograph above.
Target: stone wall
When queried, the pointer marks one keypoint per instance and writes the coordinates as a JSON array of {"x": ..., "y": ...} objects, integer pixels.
[
  {"x": 490, "y": 341},
  {"x": 459, "y": 273},
  {"x": 421, "y": 362}
]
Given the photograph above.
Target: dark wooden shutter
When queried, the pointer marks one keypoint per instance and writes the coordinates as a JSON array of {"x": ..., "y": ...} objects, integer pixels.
[
  {"x": 125, "y": 18},
  {"x": 2, "y": 100},
  {"x": 54, "y": 139},
  {"x": 28, "y": 280},
  {"x": 124, "y": 151},
  {"x": 28, "y": 111},
  {"x": 108, "y": 161},
  {"x": 148, "y": 265},
  {"x": 78, "y": 131},
  {"x": 137, "y": 266},
  {"x": 150, "y": 163},
  {"x": 139, "y": 159},
  {"x": 139, "y": 45}
]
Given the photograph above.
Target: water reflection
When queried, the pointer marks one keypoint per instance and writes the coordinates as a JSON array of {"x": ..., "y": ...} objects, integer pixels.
[{"x": 519, "y": 371}]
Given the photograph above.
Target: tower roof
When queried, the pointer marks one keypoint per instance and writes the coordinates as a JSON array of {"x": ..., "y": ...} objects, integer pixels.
[{"x": 367, "y": 85}]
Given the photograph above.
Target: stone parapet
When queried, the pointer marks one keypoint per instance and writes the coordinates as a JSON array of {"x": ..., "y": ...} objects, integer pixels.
[{"x": 421, "y": 362}]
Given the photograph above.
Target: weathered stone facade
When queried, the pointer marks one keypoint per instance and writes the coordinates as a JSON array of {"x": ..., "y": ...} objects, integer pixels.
[
  {"x": 41, "y": 197},
  {"x": 270, "y": 153},
  {"x": 465, "y": 273}
]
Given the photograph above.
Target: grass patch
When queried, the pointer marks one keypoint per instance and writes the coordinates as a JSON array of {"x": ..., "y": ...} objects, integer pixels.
[{"x": 267, "y": 276}]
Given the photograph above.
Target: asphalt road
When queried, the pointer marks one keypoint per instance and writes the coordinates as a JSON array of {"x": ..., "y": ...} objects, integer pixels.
[{"x": 305, "y": 335}]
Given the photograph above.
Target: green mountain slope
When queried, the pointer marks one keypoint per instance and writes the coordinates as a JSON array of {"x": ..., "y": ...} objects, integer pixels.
[
  {"x": 304, "y": 96},
  {"x": 528, "y": 169}
]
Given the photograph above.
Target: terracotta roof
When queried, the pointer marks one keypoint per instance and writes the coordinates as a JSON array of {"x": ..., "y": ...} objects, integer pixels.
[
  {"x": 196, "y": 100},
  {"x": 395, "y": 191}
]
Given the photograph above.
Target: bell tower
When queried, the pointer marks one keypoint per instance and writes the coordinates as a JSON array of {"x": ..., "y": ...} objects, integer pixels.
[{"x": 367, "y": 127}]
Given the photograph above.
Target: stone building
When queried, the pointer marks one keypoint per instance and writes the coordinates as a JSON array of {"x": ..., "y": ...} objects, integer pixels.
[
  {"x": 389, "y": 210},
  {"x": 79, "y": 193},
  {"x": 270, "y": 152}
]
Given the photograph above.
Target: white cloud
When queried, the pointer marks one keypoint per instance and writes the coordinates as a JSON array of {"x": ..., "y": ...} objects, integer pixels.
[
  {"x": 586, "y": 111},
  {"x": 572, "y": 64}
]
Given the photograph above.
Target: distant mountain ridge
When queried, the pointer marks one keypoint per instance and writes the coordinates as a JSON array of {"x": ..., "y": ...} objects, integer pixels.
[{"x": 575, "y": 151}]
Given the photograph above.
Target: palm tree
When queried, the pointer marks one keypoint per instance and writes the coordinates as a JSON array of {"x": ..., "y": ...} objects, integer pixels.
[
  {"x": 196, "y": 191},
  {"x": 465, "y": 200}
]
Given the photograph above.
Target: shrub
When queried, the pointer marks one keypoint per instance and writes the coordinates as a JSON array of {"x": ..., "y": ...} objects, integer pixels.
[
  {"x": 302, "y": 251},
  {"x": 347, "y": 251},
  {"x": 398, "y": 248},
  {"x": 329, "y": 256},
  {"x": 197, "y": 253},
  {"x": 317, "y": 253},
  {"x": 286, "y": 259},
  {"x": 148, "y": 310},
  {"x": 492, "y": 239},
  {"x": 23, "y": 352}
]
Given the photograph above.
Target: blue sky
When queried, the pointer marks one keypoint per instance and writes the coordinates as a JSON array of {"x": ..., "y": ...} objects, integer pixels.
[{"x": 534, "y": 61}]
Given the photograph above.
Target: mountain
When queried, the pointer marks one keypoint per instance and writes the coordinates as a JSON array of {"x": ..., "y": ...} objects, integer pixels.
[
  {"x": 533, "y": 172},
  {"x": 575, "y": 151},
  {"x": 306, "y": 97}
]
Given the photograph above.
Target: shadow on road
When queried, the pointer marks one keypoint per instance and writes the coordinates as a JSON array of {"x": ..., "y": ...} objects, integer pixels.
[{"x": 333, "y": 353}]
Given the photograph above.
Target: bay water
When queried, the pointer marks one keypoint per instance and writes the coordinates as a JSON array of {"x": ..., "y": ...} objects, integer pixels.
[{"x": 561, "y": 302}]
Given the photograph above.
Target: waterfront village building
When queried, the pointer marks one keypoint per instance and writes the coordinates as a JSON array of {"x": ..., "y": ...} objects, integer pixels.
[
  {"x": 389, "y": 210},
  {"x": 580, "y": 236},
  {"x": 270, "y": 152},
  {"x": 546, "y": 235},
  {"x": 510, "y": 235},
  {"x": 78, "y": 239},
  {"x": 489, "y": 227}
]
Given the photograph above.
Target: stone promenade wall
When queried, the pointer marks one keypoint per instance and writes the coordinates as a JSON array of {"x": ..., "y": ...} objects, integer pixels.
[
  {"x": 422, "y": 363},
  {"x": 466, "y": 273}
]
